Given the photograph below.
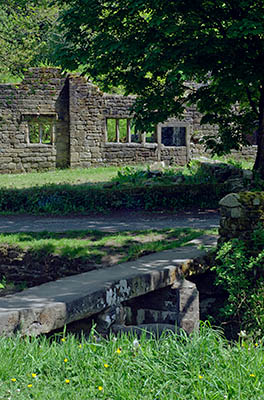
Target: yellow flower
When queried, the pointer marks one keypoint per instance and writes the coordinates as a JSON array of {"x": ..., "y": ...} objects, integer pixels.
[
  {"x": 118, "y": 350},
  {"x": 256, "y": 344},
  {"x": 200, "y": 376},
  {"x": 33, "y": 375},
  {"x": 106, "y": 365},
  {"x": 80, "y": 346},
  {"x": 253, "y": 375},
  {"x": 65, "y": 360},
  {"x": 67, "y": 380},
  {"x": 100, "y": 388},
  {"x": 13, "y": 379},
  {"x": 30, "y": 385},
  {"x": 63, "y": 339}
]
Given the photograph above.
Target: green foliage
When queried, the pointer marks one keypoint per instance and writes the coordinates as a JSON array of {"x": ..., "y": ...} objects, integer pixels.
[
  {"x": 81, "y": 199},
  {"x": 3, "y": 283},
  {"x": 192, "y": 173},
  {"x": 239, "y": 270},
  {"x": 153, "y": 48},
  {"x": 201, "y": 366},
  {"x": 111, "y": 130},
  {"x": 28, "y": 34}
]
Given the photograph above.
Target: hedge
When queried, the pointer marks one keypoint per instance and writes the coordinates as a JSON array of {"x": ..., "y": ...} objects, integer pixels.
[{"x": 66, "y": 199}]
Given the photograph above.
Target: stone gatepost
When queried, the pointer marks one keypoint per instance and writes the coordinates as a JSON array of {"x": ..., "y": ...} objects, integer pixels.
[{"x": 241, "y": 213}]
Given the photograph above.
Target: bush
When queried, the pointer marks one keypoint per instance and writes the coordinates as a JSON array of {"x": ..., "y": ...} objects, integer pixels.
[
  {"x": 67, "y": 199},
  {"x": 239, "y": 270}
]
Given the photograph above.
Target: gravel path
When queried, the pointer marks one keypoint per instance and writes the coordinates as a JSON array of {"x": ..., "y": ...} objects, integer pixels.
[{"x": 117, "y": 221}]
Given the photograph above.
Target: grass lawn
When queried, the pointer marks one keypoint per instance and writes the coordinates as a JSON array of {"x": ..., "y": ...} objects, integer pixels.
[
  {"x": 59, "y": 176},
  {"x": 100, "y": 175},
  {"x": 203, "y": 366}
]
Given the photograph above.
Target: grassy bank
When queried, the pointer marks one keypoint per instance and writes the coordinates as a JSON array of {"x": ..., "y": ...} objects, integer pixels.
[
  {"x": 30, "y": 258},
  {"x": 203, "y": 366}
]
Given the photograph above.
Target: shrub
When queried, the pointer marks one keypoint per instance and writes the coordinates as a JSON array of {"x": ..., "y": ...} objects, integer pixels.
[
  {"x": 67, "y": 199},
  {"x": 239, "y": 270}
]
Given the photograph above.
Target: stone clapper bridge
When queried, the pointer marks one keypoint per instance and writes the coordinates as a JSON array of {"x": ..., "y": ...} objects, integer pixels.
[{"x": 149, "y": 293}]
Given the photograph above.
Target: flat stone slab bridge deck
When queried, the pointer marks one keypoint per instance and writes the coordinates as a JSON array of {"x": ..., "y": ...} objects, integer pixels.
[{"x": 50, "y": 306}]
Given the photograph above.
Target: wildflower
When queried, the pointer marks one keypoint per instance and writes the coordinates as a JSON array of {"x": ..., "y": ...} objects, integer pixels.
[
  {"x": 63, "y": 339},
  {"x": 200, "y": 376},
  {"x": 106, "y": 365},
  {"x": 256, "y": 344},
  {"x": 67, "y": 380},
  {"x": 13, "y": 379},
  {"x": 252, "y": 375},
  {"x": 100, "y": 388},
  {"x": 65, "y": 360},
  {"x": 118, "y": 350},
  {"x": 29, "y": 385},
  {"x": 242, "y": 334},
  {"x": 136, "y": 343},
  {"x": 80, "y": 346},
  {"x": 34, "y": 375}
]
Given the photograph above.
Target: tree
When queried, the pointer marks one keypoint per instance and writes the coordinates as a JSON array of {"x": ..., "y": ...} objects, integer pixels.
[
  {"x": 27, "y": 34},
  {"x": 154, "y": 48}
]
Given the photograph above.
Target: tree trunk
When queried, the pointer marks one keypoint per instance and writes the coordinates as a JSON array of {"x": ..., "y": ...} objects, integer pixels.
[{"x": 259, "y": 162}]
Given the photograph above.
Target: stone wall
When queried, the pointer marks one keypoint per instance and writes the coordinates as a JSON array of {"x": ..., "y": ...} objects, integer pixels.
[
  {"x": 75, "y": 112},
  {"x": 41, "y": 96},
  {"x": 241, "y": 213}
]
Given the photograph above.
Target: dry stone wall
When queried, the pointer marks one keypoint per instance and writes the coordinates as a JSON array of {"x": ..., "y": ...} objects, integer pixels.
[
  {"x": 72, "y": 113},
  {"x": 241, "y": 213}
]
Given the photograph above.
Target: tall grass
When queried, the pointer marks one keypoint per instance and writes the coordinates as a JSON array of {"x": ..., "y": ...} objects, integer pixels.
[{"x": 203, "y": 366}]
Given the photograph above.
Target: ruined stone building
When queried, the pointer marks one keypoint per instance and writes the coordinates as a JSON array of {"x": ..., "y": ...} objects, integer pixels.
[{"x": 51, "y": 120}]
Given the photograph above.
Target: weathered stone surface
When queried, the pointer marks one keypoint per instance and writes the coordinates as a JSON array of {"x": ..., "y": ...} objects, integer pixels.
[
  {"x": 177, "y": 305},
  {"x": 230, "y": 200},
  {"x": 49, "y": 306},
  {"x": 241, "y": 214}
]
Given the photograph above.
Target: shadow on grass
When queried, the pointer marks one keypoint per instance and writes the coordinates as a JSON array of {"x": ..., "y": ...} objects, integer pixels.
[{"x": 93, "y": 244}]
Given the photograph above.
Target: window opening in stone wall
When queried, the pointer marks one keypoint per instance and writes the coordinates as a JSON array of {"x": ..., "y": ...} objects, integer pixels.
[
  {"x": 121, "y": 130},
  {"x": 40, "y": 130},
  {"x": 40, "y": 133},
  {"x": 173, "y": 135},
  {"x": 150, "y": 137}
]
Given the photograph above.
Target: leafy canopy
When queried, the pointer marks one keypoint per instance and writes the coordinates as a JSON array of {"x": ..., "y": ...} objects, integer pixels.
[
  {"x": 28, "y": 34},
  {"x": 154, "y": 48}
]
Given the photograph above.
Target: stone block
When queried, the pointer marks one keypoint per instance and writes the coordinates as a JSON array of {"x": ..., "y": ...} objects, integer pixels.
[
  {"x": 230, "y": 200},
  {"x": 236, "y": 212}
]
